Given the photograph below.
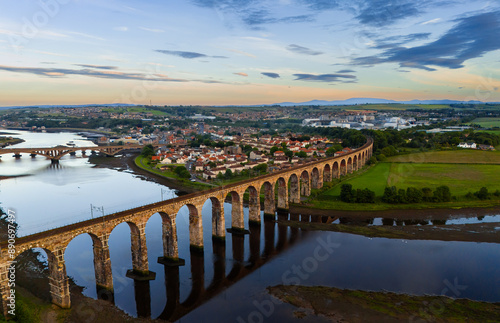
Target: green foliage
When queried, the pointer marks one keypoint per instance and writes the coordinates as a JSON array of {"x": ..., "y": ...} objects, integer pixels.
[
  {"x": 182, "y": 172},
  {"x": 365, "y": 196},
  {"x": 347, "y": 194},
  {"x": 148, "y": 151},
  {"x": 262, "y": 168},
  {"x": 228, "y": 174},
  {"x": 372, "y": 160},
  {"x": 442, "y": 194},
  {"x": 301, "y": 154}
]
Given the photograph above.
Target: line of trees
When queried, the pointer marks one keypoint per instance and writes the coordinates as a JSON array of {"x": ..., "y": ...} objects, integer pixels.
[
  {"x": 350, "y": 195},
  {"x": 416, "y": 195},
  {"x": 483, "y": 194}
]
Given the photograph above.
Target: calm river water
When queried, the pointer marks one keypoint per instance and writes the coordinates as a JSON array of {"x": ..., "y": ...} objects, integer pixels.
[{"x": 227, "y": 282}]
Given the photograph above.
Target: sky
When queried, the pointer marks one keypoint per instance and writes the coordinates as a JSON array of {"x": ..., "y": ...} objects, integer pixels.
[{"x": 223, "y": 52}]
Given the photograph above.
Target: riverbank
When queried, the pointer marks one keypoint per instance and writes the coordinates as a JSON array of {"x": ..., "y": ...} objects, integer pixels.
[
  {"x": 9, "y": 141},
  {"x": 342, "y": 305}
]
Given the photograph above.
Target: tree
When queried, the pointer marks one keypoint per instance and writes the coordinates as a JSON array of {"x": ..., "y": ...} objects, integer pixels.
[
  {"x": 365, "y": 196},
  {"x": 347, "y": 194},
  {"x": 262, "y": 168},
  {"x": 442, "y": 194},
  {"x": 301, "y": 154},
  {"x": 182, "y": 172},
  {"x": 148, "y": 151},
  {"x": 414, "y": 195},
  {"x": 427, "y": 194},
  {"x": 228, "y": 174},
  {"x": 482, "y": 194},
  {"x": 390, "y": 195}
]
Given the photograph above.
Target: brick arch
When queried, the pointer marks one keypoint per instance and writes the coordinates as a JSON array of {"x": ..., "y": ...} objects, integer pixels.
[
  {"x": 343, "y": 167},
  {"x": 355, "y": 163},
  {"x": 195, "y": 227}
]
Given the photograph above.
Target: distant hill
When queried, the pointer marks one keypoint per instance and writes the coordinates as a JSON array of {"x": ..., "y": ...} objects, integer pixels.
[
  {"x": 69, "y": 106},
  {"x": 354, "y": 101}
]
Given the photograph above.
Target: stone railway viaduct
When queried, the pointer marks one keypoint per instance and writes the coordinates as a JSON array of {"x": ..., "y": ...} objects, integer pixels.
[
  {"x": 55, "y": 153},
  {"x": 290, "y": 185}
]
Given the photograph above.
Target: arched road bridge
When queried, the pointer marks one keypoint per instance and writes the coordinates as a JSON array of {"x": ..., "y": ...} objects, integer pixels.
[{"x": 55, "y": 153}]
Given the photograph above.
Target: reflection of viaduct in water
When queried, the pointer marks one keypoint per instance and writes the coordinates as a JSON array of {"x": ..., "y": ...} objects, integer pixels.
[
  {"x": 55, "y": 153},
  {"x": 287, "y": 185},
  {"x": 174, "y": 310}
]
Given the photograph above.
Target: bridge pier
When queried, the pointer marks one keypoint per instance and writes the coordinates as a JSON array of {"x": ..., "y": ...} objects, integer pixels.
[
  {"x": 102, "y": 267},
  {"x": 305, "y": 186},
  {"x": 54, "y": 161},
  {"x": 72, "y": 153},
  {"x": 58, "y": 280},
  {"x": 142, "y": 293},
  {"x": 282, "y": 195},
  {"x": 17, "y": 156},
  {"x": 294, "y": 189},
  {"x": 170, "y": 248},
  {"x": 32, "y": 155},
  {"x": 237, "y": 223},
  {"x": 195, "y": 229},
  {"x": 253, "y": 206},
  {"x": 218, "y": 221},
  {"x": 269, "y": 201},
  {"x": 140, "y": 264}
]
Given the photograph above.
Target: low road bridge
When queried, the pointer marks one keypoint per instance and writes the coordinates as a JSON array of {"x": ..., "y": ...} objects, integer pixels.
[
  {"x": 279, "y": 188},
  {"x": 55, "y": 153}
]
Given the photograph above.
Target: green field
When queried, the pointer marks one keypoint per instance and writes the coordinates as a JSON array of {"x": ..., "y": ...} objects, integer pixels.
[
  {"x": 375, "y": 179},
  {"x": 461, "y": 156},
  {"x": 461, "y": 178},
  {"x": 487, "y": 122},
  {"x": 135, "y": 109}
]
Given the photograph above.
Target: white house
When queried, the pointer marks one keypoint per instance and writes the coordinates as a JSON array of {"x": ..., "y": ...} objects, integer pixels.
[{"x": 470, "y": 145}]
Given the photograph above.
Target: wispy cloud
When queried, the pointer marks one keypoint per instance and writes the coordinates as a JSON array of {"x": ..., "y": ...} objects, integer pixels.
[
  {"x": 241, "y": 74},
  {"x": 271, "y": 75},
  {"x": 101, "y": 67},
  {"x": 85, "y": 35},
  {"x": 432, "y": 21},
  {"x": 184, "y": 54},
  {"x": 242, "y": 53},
  {"x": 121, "y": 28},
  {"x": 471, "y": 37},
  {"x": 302, "y": 50},
  {"x": 152, "y": 30},
  {"x": 62, "y": 72},
  {"x": 345, "y": 78},
  {"x": 345, "y": 71},
  {"x": 399, "y": 40}
]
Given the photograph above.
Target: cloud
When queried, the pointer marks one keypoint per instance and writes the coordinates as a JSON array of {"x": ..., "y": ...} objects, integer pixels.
[
  {"x": 152, "y": 30},
  {"x": 432, "y": 21},
  {"x": 302, "y": 50},
  {"x": 395, "y": 41},
  {"x": 61, "y": 72},
  {"x": 241, "y": 74},
  {"x": 85, "y": 35},
  {"x": 242, "y": 53},
  {"x": 344, "y": 78},
  {"x": 102, "y": 67},
  {"x": 121, "y": 28},
  {"x": 271, "y": 75},
  {"x": 377, "y": 13},
  {"x": 380, "y": 13},
  {"x": 255, "y": 18},
  {"x": 184, "y": 54},
  {"x": 471, "y": 37},
  {"x": 345, "y": 71}
]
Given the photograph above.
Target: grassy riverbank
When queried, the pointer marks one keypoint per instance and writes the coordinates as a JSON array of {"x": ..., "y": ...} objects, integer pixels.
[
  {"x": 341, "y": 305},
  {"x": 143, "y": 163}
]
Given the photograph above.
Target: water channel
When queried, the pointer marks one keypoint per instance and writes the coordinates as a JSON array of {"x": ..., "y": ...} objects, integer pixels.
[{"x": 227, "y": 282}]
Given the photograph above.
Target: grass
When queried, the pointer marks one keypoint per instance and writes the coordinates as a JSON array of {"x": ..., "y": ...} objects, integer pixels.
[
  {"x": 143, "y": 163},
  {"x": 375, "y": 179},
  {"x": 461, "y": 156},
  {"x": 461, "y": 178},
  {"x": 487, "y": 122}
]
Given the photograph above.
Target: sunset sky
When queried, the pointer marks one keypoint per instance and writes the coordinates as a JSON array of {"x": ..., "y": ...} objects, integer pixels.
[{"x": 221, "y": 52}]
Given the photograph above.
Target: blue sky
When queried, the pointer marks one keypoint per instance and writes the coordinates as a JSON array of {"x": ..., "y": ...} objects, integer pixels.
[{"x": 247, "y": 51}]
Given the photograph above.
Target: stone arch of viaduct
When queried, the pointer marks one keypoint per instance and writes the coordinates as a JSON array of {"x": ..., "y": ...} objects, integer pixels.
[{"x": 287, "y": 185}]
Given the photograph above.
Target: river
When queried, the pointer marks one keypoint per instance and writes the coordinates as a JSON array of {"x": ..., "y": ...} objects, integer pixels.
[{"x": 227, "y": 282}]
